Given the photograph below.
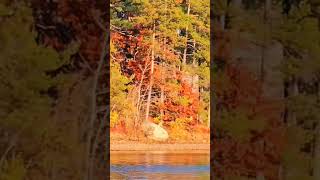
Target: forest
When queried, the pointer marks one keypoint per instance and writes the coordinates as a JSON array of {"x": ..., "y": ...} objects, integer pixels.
[
  {"x": 266, "y": 89},
  {"x": 159, "y": 63},
  {"x": 264, "y": 84},
  {"x": 49, "y": 125}
]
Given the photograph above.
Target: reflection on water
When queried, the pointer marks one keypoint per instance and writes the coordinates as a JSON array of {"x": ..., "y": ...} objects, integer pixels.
[{"x": 159, "y": 165}]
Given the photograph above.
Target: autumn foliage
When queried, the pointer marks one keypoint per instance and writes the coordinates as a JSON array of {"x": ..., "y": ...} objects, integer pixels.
[
  {"x": 167, "y": 67},
  {"x": 254, "y": 143}
]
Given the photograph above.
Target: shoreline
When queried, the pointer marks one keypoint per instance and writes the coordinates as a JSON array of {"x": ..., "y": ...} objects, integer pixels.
[{"x": 176, "y": 148}]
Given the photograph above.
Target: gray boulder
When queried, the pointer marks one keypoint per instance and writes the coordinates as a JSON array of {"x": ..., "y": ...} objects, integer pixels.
[{"x": 154, "y": 131}]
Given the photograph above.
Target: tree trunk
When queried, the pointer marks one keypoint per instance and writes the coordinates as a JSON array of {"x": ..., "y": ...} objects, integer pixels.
[
  {"x": 162, "y": 101},
  {"x": 223, "y": 21},
  {"x": 163, "y": 82},
  {"x": 263, "y": 46},
  {"x": 151, "y": 73},
  {"x": 184, "y": 59},
  {"x": 195, "y": 78},
  {"x": 294, "y": 92},
  {"x": 139, "y": 102},
  {"x": 93, "y": 116}
]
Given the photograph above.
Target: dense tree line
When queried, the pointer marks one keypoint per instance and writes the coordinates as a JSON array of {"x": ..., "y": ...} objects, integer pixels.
[
  {"x": 160, "y": 63},
  {"x": 266, "y": 79}
]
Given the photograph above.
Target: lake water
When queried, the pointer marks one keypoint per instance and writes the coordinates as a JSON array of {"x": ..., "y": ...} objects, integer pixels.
[{"x": 159, "y": 166}]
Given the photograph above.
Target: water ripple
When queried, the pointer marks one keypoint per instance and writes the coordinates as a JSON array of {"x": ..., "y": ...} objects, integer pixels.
[{"x": 181, "y": 169}]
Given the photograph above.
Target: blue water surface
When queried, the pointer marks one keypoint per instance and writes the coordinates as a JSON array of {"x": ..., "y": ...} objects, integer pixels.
[
  {"x": 185, "y": 169},
  {"x": 159, "y": 167}
]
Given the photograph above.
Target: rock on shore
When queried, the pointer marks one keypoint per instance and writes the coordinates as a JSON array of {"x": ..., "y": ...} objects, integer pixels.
[{"x": 154, "y": 131}]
